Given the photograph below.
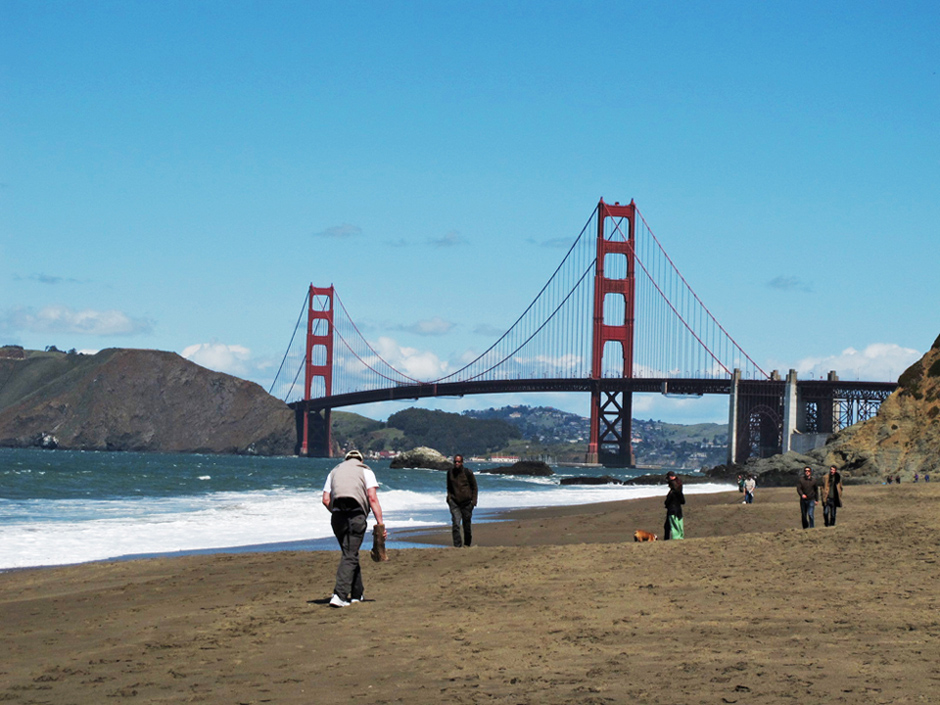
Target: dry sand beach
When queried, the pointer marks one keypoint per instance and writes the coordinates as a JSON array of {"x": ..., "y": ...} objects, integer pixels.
[{"x": 550, "y": 607}]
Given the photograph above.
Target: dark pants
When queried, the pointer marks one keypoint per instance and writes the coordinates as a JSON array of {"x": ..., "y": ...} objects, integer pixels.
[
  {"x": 349, "y": 529},
  {"x": 829, "y": 512},
  {"x": 461, "y": 513},
  {"x": 808, "y": 513}
]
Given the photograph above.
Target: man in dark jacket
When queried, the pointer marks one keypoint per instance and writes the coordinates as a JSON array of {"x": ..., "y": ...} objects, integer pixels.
[
  {"x": 832, "y": 495},
  {"x": 461, "y": 498},
  {"x": 809, "y": 494}
]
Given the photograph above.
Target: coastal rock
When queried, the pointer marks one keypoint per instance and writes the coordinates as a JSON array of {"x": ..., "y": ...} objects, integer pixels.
[
  {"x": 660, "y": 479},
  {"x": 602, "y": 480},
  {"x": 522, "y": 467},
  {"x": 139, "y": 400},
  {"x": 421, "y": 457},
  {"x": 903, "y": 438}
]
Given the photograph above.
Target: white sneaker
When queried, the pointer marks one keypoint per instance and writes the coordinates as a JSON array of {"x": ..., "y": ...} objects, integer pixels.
[
  {"x": 354, "y": 600},
  {"x": 338, "y": 601}
]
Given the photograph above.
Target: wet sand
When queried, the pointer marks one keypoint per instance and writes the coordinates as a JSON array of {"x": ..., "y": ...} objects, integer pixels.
[{"x": 551, "y": 606}]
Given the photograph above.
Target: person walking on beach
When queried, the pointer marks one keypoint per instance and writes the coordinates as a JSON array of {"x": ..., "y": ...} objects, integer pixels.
[
  {"x": 809, "y": 494},
  {"x": 351, "y": 490},
  {"x": 832, "y": 495},
  {"x": 749, "y": 484},
  {"x": 674, "y": 528},
  {"x": 461, "y": 498}
]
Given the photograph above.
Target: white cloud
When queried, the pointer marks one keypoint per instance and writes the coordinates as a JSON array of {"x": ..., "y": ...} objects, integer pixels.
[
  {"x": 790, "y": 283},
  {"x": 489, "y": 331},
  {"x": 341, "y": 232},
  {"x": 432, "y": 326},
  {"x": 451, "y": 239},
  {"x": 877, "y": 362},
  {"x": 418, "y": 364},
  {"x": 64, "y": 319},
  {"x": 231, "y": 359}
]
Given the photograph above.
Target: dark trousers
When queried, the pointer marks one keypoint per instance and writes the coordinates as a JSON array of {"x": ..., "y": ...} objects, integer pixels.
[
  {"x": 808, "y": 513},
  {"x": 349, "y": 529},
  {"x": 829, "y": 512},
  {"x": 461, "y": 513}
]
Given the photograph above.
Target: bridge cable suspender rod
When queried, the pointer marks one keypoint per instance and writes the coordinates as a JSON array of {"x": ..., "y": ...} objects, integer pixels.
[
  {"x": 528, "y": 308},
  {"x": 368, "y": 345},
  {"x": 303, "y": 310},
  {"x": 700, "y": 302},
  {"x": 488, "y": 350}
]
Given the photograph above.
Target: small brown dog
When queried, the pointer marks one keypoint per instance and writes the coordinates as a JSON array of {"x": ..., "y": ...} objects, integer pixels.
[{"x": 640, "y": 535}]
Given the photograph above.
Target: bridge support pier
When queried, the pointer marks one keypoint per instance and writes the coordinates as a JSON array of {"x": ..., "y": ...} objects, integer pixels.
[
  {"x": 790, "y": 412},
  {"x": 612, "y": 422},
  {"x": 313, "y": 432},
  {"x": 733, "y": 403}
]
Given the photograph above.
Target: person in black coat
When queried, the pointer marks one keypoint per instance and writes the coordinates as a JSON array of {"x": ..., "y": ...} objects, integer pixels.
[{"x": 674, "y": 528}]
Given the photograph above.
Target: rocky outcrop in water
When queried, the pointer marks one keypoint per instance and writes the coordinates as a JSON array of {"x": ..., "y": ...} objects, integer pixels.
[
  {"x": 522, "y": 467},
  {"x": 589, "y": 480},
  {"x": 139, "y": 400},
  {"x": 421, "y": 457}
]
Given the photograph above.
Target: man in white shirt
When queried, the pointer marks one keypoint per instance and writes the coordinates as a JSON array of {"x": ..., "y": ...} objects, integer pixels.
[{"x": 351, "y": 490}]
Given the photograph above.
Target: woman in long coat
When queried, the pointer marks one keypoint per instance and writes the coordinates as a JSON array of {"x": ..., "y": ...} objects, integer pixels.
[
  {"x": 831, "y": 495},
  {"x": 673, "y": 528}
]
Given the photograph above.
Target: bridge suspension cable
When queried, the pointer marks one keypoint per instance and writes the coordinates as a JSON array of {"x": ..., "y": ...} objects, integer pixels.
[{"x": 675, "y": 334}]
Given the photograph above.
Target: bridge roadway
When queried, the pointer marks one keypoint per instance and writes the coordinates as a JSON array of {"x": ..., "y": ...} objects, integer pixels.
[
  {"x": 652, "y": 385},
  {"x": 649, "y": 385},
  {"x": 763, "y": 414}
]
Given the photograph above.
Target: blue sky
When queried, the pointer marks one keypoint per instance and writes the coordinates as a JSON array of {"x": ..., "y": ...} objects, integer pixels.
[{"x": 173, "y": 175}]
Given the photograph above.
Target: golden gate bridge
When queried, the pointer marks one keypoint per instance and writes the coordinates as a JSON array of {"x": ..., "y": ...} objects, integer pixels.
[{"x": 615, "y": 318}]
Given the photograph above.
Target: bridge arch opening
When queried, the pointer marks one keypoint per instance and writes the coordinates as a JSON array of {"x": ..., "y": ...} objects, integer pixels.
[
  {"x": 615, "y": 265},
  {"x": 318, "y": 355},
  {"x": 612, "y": 360},
  {"x": 615, "y": 309},
  {"x": 764, "y": 426}
]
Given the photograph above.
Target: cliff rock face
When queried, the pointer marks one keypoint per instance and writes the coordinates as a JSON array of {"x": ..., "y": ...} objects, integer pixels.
[
  {"x": 141, "y": 400},
  {"x": 904, "y": 437}
]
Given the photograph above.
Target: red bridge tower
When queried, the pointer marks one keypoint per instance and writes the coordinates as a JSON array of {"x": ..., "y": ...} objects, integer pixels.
[
  {"x": 614, "y": 294},
  {"x": 314, "y": 430}
]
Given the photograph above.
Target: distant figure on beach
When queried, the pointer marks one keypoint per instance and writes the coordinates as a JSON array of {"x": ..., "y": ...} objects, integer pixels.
[
  {"x": 749, "y": 484},
  {"x": 916, "y": 477},
  {"x": 351, "y": 490},
  {"x": 832, "y": 495},
  {"x": 809, "y": 494},
  {"x": 674, "y": 528},
  {"x": 926, "y": 477},
  {"x": 740, "y": 483},
  {"x": 461, "y": 498}
]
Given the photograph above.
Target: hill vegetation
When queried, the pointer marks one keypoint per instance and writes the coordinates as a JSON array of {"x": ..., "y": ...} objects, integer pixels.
[
  {"x": 142, "y": 400},
  {"x": 527, "y": 432}
]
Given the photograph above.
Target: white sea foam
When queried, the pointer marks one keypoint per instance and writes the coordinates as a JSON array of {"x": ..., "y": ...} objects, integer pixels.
[{"x": 57, "y": 532}]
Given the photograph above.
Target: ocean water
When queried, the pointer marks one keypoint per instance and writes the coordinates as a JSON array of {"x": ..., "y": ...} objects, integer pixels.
[{"x": 63, "y": 507}]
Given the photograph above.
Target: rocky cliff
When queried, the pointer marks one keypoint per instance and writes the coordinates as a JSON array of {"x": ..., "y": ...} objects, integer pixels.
[
  {"x": 142, "y": 400},
  {"x": 903, "y": 438}
]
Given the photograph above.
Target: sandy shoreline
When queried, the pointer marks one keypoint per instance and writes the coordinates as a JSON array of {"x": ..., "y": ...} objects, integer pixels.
[{"x": 552, "y": 606}]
